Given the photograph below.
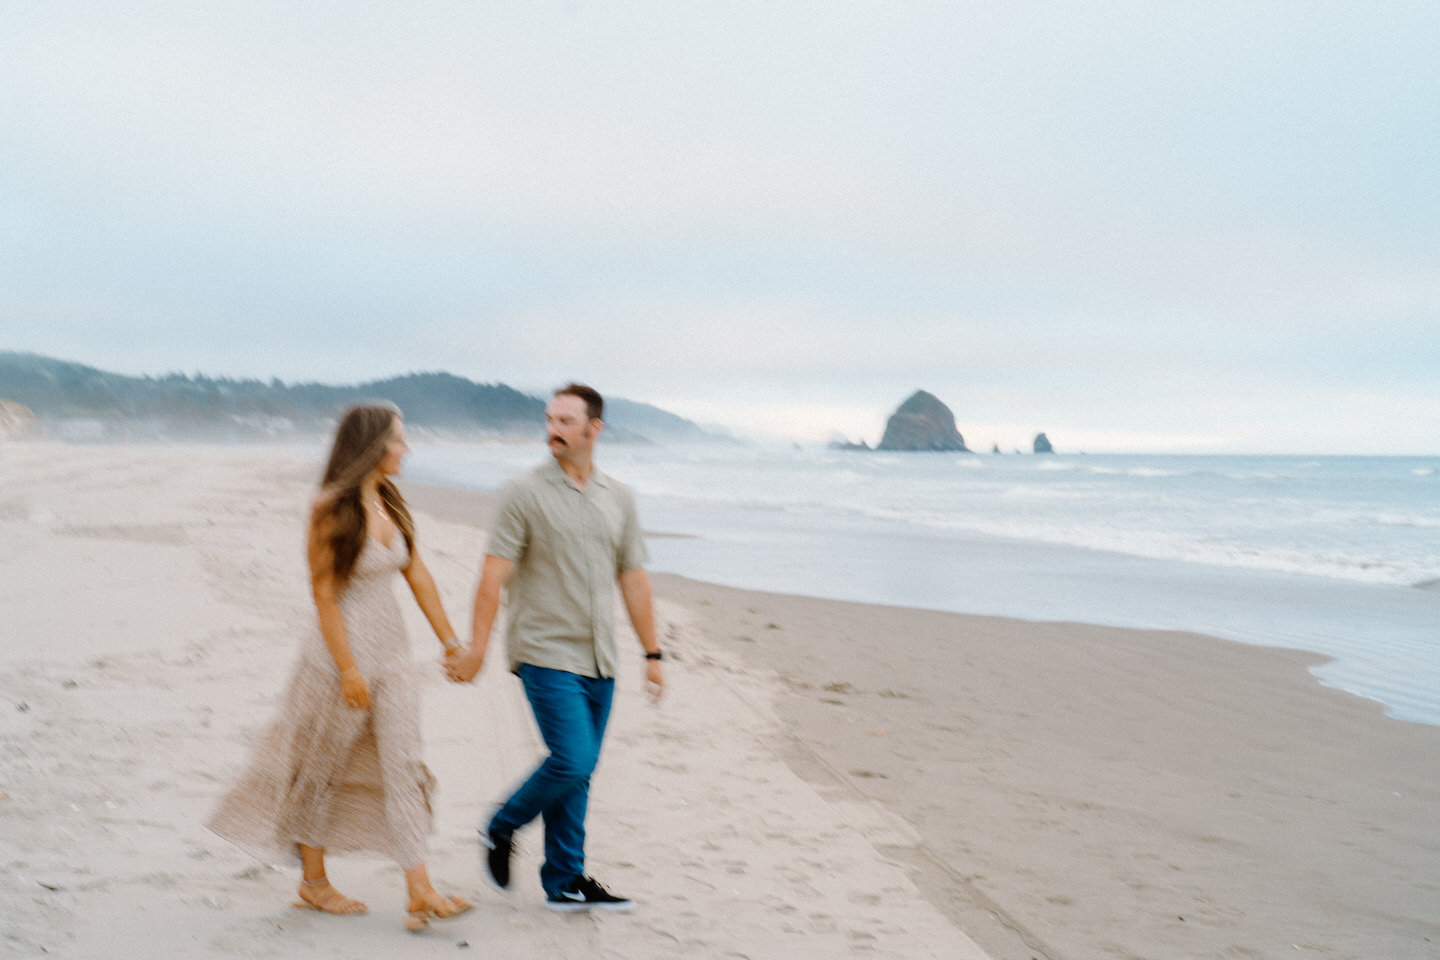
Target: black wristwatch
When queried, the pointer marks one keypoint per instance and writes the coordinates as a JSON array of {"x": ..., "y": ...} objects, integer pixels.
[{"x": 657, "y": 655}]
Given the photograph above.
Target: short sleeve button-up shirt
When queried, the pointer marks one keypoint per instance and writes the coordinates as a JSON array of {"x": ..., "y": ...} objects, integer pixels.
[{"x": 568, "y": 545}]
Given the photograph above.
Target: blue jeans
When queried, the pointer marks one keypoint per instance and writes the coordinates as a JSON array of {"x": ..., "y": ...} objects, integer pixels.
[{"x": 571, "y": 712}]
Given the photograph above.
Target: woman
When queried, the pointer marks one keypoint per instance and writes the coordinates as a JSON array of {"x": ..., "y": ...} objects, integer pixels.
[{"x": 340, "y": 769}]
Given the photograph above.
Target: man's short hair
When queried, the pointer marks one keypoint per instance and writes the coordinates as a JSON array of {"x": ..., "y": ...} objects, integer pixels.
[{"x": 594, "y": 403}]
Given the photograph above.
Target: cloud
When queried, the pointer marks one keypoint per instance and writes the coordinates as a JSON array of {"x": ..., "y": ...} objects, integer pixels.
[{"x": 1134, "y": 207}]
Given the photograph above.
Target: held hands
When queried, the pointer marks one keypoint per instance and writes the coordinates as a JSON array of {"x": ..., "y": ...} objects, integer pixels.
[
  {"x": 461, "y": 665},
  {"x": 354, "y": 689}
]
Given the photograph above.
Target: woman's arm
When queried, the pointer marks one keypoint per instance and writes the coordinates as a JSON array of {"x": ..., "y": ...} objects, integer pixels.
[
  {"x": 422, "y": 584},
  {"x": 332, "y": 625}
]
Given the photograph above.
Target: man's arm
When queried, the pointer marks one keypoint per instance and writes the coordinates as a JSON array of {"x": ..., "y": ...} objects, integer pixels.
[
  {"x": 494, "y": 575},
  {"x": 640, "y": 605}
]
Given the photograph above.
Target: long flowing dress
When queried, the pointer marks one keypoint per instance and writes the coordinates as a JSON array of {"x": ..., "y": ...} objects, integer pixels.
[{"x": 333, "y": 776}]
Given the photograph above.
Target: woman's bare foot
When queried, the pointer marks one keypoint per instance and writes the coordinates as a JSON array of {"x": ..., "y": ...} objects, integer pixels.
[
  {"x": 320, "y": 895},
  {"x": 426, "y": 905}
]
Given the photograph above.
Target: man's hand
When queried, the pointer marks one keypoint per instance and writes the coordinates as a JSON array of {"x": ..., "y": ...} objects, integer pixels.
[
  {"x": 654, "y": 680},
  {"x": 462, "y": 665}
]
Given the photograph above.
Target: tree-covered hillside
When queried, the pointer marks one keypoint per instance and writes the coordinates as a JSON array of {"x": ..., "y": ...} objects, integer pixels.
[{"x": 71, "y": 399}]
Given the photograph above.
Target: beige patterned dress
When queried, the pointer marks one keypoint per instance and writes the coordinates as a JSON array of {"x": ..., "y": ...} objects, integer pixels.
[{"x": 327, "y": 775}]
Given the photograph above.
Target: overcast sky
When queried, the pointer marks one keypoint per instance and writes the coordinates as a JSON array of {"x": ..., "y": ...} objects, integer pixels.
[{"x": 1138, "y": 226}]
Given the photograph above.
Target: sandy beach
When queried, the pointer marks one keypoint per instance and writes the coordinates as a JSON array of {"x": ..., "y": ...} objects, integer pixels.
[{"x": 823, "y": 779}]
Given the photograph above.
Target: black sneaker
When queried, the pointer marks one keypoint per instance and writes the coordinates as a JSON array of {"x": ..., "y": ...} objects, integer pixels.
[
  {"x": 586, "y": 894},
  {"x": 499, "y": 847}
]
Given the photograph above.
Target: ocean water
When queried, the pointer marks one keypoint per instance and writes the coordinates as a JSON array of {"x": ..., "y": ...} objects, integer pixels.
[{"x": 1334, "y": 554}]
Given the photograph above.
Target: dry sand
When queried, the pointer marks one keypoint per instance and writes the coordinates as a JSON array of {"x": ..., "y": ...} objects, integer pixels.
[
  {"x": 150, "y": 598},
  {"x": 822, "y": 780}
]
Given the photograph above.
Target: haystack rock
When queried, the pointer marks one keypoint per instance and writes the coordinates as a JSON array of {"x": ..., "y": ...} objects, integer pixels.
[
  {"x": 1042, "y": 444},
  {"x": 922, "y": 423}
]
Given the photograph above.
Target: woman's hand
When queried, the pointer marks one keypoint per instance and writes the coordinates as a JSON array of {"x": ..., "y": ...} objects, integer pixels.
[
  {"x": 461, "y": 665},
  {"x": 354, "y": 689}
]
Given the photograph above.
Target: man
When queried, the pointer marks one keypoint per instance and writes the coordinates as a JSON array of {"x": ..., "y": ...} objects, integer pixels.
[{"x": 564, "y": 534}]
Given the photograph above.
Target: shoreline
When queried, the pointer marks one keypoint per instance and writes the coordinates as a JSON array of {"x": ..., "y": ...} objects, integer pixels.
[
  {"x": 824, "y": 778},
  {"x": 1378, "y": 635},
  {"x": 1368, "y": 639},
  {"x": 1134, "y": 764}
]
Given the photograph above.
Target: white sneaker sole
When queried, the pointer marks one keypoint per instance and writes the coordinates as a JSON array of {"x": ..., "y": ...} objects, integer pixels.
[{"x": 566, "y": 906}]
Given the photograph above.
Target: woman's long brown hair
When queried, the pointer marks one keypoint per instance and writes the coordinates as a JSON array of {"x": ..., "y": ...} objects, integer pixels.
[{"x": 338, "y": 523}]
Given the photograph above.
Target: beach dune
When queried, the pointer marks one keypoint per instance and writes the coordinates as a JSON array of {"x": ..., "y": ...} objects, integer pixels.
[{"x": 822, "y": 780}]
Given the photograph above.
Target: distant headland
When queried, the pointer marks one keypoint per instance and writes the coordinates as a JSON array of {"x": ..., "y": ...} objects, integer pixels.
[{"x": 70, "y": 401}]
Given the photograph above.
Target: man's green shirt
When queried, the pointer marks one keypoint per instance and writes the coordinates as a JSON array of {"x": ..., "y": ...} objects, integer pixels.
[{"x": 568, "y": 546}]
